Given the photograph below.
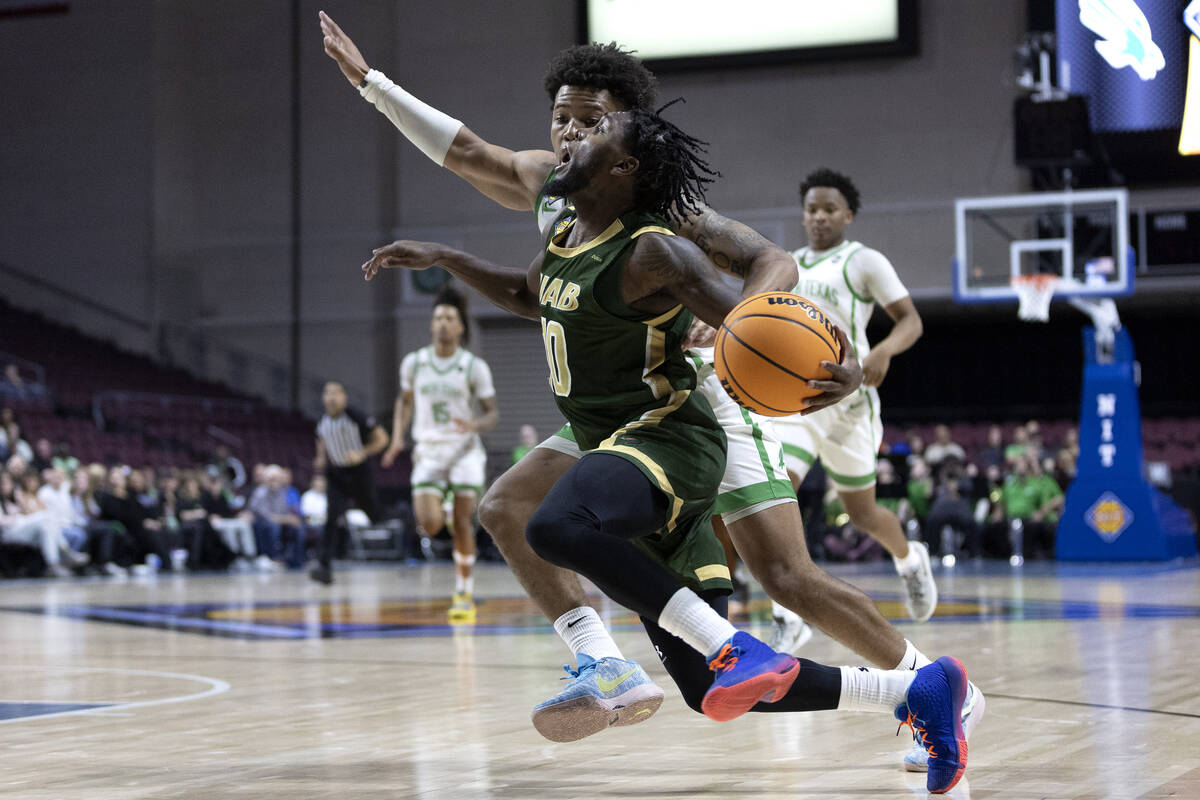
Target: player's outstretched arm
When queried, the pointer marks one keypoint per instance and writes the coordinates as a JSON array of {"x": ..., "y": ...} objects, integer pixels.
[
  {"x": 665, "y": 270},
  {"x": 513, "y": 290},
  {"x": 741, "y": 251},
  {"x": 511, "y": 178}
]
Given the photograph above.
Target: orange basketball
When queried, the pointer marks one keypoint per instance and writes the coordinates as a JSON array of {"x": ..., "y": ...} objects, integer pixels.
[{"x": 769, "y": 347}]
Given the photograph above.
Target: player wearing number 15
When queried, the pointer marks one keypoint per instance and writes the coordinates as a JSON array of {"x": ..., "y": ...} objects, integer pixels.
[{"x": 439, "y": 387}]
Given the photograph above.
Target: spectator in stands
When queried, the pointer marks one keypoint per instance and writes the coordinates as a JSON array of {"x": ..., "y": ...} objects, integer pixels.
[
  {"x": 141, "y": 484},
  {"x": 119, "y": 503},
  {"x": 992, "y": 454},
  {"x": 205, "y": 548},
  {"x": 17, "y": 446},
  {"x": 108, "y": 538},
  {"x": 16, "y": 466},
  {"x": 1033, "y": 431},
  {"x": 54, "y": 495},
  {"x": 951, "y": 514},
  {"x": 64, "y": 460},
  {"x": 916, "y": 447},
  {"x": 1063, "y": 468},
  {"x": 314, "y": 503},
  {"x": 890, "y": 492},
  {"x": 1070, "y": 441},
  {"x": 1015, "y": 451},
  {"x": 258, "y": 477},
  {"x": 1033, "y": 499},
  {"x": 276, "y": 525},
  {"x": 14, "y": 387},
  {"x": 43, "y": 455},
  {"x": 230, "y": 467},
  {"x": 23, "y": 520},
  {"x": 528, "y": 441},
  {"x": 920, "y": 489},
  {"x": 232, "y": 522},
  {"x": 943, "y": 447}
]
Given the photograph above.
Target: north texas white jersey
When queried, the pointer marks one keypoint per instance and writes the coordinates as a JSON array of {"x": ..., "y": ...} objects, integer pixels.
[
  {"x": 444, "y": 389},
  {"x": 548, "y": 209},
  {"x": 846, "y": 282}
]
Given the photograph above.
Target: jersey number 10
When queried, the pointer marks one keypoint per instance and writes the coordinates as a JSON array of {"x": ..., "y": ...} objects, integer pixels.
[{"x": 555, "y": 339}]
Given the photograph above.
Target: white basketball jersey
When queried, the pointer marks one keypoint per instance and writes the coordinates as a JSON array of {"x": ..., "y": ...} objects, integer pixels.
[
  {"x": 444, "y": 389},
  {"x": 548, "y": 209},
  {"x": 846, "y": 282}
]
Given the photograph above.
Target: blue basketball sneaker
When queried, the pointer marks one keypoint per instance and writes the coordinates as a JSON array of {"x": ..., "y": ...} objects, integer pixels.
[
  {"x": 917, "y": 758},
  {"x": 933, "y": 708},
  {"x": 747, "y": 672},
  {"x": 602, "y": 694}
]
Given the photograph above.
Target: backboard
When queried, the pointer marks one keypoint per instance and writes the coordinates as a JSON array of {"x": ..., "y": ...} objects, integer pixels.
[{"x": 1082, "y": 238}]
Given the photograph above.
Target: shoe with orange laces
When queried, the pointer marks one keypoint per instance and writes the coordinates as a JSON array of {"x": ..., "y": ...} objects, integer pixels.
[
  {"x": 933, "y": 709},
  {"x": 748, "y": 672}
]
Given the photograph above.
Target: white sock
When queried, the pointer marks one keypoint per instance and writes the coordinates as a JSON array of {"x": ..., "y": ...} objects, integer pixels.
[
  {"x": 866, "y": 689},
  {"x": 696, "y": 622},
  {"x": 913, "y": 658},
  {"x": 783, "y": 613},
  {"x": 464, "y": 585},
  {"x": 909, "y": 563},
  {"x": 584, "y": 633}
]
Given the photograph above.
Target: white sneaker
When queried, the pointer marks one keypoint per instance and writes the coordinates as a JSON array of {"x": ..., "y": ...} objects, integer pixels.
[
  {"x": 789, "y": 632},
  {"x": 265, "y": 564},
  {"x": 917, "y": 759},
  {"x": 920, "y": 590},
  {"x": 116, "y": 570}
]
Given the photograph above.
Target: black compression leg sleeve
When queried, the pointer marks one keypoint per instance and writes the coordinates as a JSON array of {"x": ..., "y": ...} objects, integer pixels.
[{"x": 588, "y": 521}]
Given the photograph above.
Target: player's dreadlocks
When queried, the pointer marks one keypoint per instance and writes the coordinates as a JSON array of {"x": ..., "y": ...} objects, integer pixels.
[
  {"x": 671, "y": 174},
  {"x": 603, "y": 66},
  {"x": 833, "y": 180},
  {"x": 448, "y": 296}
]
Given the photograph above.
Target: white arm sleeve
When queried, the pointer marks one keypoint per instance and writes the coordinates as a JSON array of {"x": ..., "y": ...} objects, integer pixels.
[
  {"x": 429, "y": 129},
  {"x": 408, "y": 367},
  {"x": 873, "y": 276},
  {"x": 481, "y": 379}
]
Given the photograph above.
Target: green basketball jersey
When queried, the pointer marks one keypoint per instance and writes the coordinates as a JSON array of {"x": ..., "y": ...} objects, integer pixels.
[{"x": 609, "y": 363}]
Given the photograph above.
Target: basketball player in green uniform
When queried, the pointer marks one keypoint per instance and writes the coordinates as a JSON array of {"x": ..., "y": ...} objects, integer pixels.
[
  {"x": 633, "y": 513},
  {"x": 759, "y": 507}
]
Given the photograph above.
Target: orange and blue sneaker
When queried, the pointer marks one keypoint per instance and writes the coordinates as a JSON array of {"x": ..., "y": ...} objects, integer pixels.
[
  {"x": 748, "y": 672},
  {"x": 917, "y": 758},
  {"x": 933, "y": 709},
  {"x": 604, "y": 693}
]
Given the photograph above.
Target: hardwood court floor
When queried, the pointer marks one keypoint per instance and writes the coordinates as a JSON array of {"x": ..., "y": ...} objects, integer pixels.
[{"x": 250, "y": 686}]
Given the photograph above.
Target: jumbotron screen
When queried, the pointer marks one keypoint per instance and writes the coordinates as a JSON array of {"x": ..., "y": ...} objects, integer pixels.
[
  {"x": 702, "y": 33},
  {"x": 1138, "y": 63}
]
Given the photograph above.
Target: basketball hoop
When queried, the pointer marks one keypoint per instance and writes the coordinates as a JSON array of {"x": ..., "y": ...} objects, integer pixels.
[{"x": 1034, "y": 293}]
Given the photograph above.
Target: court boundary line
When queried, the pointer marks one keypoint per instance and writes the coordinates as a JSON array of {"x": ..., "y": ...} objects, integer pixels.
[
  {"x": 215, "y": 686},
  {"x": 1092, "y": 705}
]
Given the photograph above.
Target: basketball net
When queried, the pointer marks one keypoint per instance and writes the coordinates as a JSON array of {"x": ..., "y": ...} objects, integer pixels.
[{"x": 1034, "y": 293}]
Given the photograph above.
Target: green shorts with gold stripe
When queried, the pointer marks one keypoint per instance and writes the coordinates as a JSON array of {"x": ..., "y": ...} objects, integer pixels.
[{"x": 684, "y": 456}]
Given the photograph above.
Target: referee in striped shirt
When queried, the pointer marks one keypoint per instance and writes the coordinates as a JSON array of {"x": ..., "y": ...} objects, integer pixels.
[{"x": 346, "y": 439}]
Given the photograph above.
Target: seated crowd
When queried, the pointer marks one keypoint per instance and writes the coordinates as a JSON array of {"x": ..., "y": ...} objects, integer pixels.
[
  {"x": 999, "y": 502},
  {"x": 60, "y": 517}
]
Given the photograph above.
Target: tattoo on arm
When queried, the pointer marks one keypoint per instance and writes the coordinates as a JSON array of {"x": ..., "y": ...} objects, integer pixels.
[{"x": 730, "y": 245}]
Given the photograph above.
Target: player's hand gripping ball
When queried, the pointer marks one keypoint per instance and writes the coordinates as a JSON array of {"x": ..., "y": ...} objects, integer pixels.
[{"x": 769, "y": 347}]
